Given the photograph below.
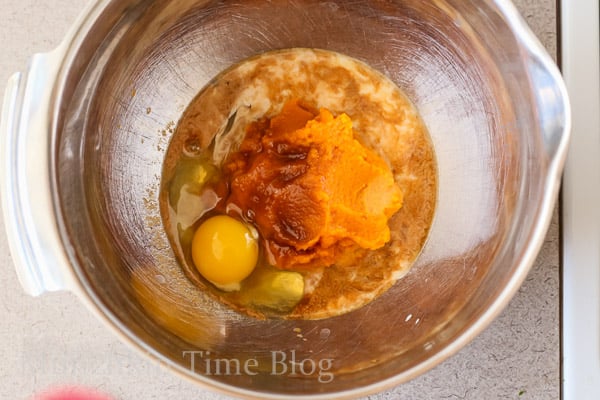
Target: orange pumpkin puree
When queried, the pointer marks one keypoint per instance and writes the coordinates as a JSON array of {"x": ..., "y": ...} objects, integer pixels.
[{"x": 311, "y": 189}]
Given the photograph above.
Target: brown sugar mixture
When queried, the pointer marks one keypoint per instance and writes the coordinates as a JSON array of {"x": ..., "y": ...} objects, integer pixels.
[{"x": 322, "y": 175}]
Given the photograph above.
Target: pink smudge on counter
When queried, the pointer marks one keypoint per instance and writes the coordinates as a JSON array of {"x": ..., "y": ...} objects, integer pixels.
[{"x": 71, "y": 393}]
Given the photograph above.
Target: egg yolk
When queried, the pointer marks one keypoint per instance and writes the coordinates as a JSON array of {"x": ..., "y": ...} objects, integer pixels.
[{"x": 225, "y": 251}]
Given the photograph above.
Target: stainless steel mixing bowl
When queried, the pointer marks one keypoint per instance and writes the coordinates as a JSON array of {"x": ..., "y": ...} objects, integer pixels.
[{"x": 85, "y": 129}]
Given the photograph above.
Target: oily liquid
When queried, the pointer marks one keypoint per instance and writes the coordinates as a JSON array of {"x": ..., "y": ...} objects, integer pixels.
[{"x": 192, "y": 187}]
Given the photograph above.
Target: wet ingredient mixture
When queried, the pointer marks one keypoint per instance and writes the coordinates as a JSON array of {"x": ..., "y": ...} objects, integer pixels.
[
  {"x": 298, "y": 184},
  {"x": 310, "y": 188}
]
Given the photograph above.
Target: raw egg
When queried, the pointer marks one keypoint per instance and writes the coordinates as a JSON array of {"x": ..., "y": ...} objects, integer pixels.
[{"x": 225, "y": 251}]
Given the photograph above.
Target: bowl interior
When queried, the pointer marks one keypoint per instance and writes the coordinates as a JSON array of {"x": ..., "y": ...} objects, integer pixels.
[{"x": 141, "y": 63}]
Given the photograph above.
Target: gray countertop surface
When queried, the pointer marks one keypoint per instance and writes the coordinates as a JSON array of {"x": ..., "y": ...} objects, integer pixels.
[{"x": 53, "y": 339}]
